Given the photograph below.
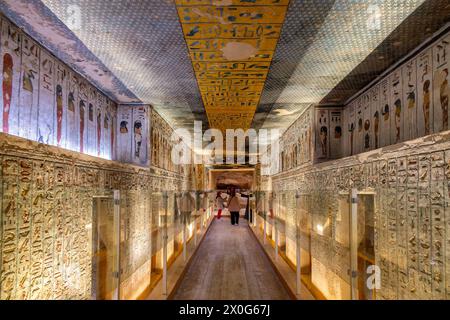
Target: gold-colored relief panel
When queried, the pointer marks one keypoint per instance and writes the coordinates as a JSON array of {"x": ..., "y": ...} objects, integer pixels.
[
  {"x": 224, "y": 111},
  {"x": 224, "y": 89},
  {"x": 223, "y": 45},
  {"x": 217, "y": 56},
  {"x": 229, "y": 15},
  {"x": 231, "y": 3},
  {"x": 231, "y": 82},
  {"x": 230, "y": 94},
  {"x": 227, "y": 115},
  {"x": 231, "y": 104},
  {"x": 249, "y": 106},
  {"x": 234, "y": 31},
  {"x": 231, "y": 75},
  {"x": 224, "y": 101},
  {"x": 230, "y": 121},
  {"x": 231, "y": 66},
  {"x": 231, "y": 49}
]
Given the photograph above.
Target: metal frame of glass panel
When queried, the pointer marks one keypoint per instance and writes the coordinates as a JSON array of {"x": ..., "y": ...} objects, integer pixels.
[{"x": 107, "y": 208}]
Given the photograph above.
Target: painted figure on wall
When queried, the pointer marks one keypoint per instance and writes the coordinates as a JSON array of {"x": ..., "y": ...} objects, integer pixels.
[
  {"x": 410, "y": 130},
  {"x": 424, "y": 95},
  {"x": 59, "y": 113},
  {"x": 28, "y": 101},
  {"x": 7, "y": 89},
  {"x": 91, "y": 112},
  {"x": 337, "y": 132},
  {"x": 411, "y": 99},
  {"x": 106, "y": 122},
  {"x": 27, "y": 81},
  {"x": 123, "y": 127},
  {"x": 397, "y": 129},
  {"x": 323, "y": 134},
  {"x": 385, "y": 113},
  {"x": 398, "y": 115},
  {"x": 351, "y": 129},
  {"x": 323, "y": 140},
  {"x": 71, "y": 102},
  {"x": 367, "y": 135},
  {"x": 307, "y": 143},
  {"x": 99, "y": 131},
  {"x": 444, "y": 99},
  {"x": 376, "y": 127},
  {"x": 113, "y": 127},
  {"x": 47, "y": 94},
  {"x": 385, "y": 123},
  {"x": 301, "y": 147},
  {"x": 426, "y": 105},
  {"x": 82, "y": 113}
]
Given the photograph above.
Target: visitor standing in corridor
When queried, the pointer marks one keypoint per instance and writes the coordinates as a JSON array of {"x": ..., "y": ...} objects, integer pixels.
[
  {"x": 219, "y": 204},
  {"x": 234, "y": 206}
]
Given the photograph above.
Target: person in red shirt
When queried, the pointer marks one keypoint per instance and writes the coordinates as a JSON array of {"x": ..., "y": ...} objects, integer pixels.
[{"x": 219, "y": 204}]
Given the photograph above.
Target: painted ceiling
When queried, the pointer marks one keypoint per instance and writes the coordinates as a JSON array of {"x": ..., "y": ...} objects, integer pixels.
[
  {"x": 230, "y": 63},
  {"x": 231, "y": 45}
]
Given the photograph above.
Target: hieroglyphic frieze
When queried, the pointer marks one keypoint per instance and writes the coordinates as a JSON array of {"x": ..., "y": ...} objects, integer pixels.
[{"x": 231, "y": 45}]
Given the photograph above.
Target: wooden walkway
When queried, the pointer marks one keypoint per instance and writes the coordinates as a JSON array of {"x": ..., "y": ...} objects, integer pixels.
[{"x": 230, "y": 265}]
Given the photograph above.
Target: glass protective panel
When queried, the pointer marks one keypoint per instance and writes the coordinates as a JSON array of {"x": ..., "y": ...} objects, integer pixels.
[
  {"x": 305, "y": 225},
  {"x": 366, "y": 244},
  {"x": 105, "y": 252}
]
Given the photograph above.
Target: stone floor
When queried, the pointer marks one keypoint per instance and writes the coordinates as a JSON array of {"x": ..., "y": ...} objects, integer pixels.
[{"x": 230, "y": 265}]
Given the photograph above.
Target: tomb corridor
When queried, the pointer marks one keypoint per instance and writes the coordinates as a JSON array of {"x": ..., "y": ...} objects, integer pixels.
[{"x": 224, "y": 150}]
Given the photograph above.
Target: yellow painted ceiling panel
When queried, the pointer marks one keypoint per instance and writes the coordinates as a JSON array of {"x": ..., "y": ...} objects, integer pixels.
[
  {"x": 232, "y": 15},
  {"x": 231, "y": 45},
  {"x": 231, "y": 104},
  {"x": 226, "y": 83},
  {"x": 209, "y": 89},
  {"x": 218, "y": 56},
  {"x": 223, "y": 100},
  {"x": 233, "y": 31},
  {"x": 231, "y": 74},
  {"x": 229, "y": 94},
  {"x": 231, "y": 2},
  {"x": 230, "y": 66},
  {"x": 225, "y": 45}
]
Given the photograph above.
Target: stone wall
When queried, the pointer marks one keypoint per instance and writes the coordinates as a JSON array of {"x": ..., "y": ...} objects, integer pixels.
[
  {"x": 46, "y": 218},
  {"x": 410, "y": 183},
  {"x": 297, "y": 142}
]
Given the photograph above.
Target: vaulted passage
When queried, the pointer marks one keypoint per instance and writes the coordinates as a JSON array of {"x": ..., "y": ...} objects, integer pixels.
[
  {"x": 230, "y": 265},
  {"x": 128, "y": 128}
]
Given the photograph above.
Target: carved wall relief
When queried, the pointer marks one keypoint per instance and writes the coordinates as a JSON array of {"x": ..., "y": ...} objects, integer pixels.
[
  {"x": 411, "y": 218},
  {"x": 46, "y": 220}
]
